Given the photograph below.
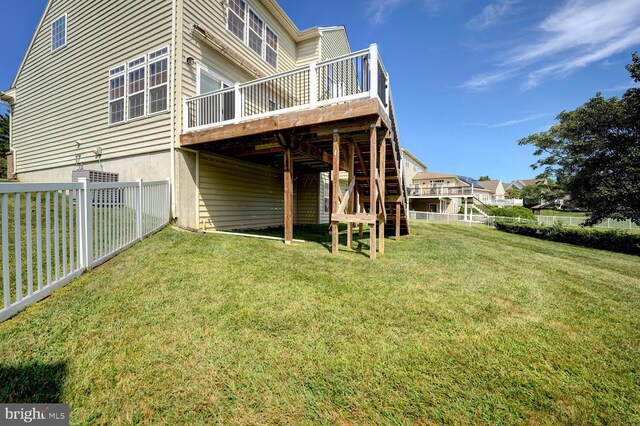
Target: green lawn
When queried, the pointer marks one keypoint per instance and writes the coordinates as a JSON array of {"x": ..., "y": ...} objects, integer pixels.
[
  {"x": 452, "y": 325},
  {"x": 560, "y": 213}
]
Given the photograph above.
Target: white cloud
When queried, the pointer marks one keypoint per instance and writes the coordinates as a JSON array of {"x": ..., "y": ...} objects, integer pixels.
[
  {"x": 578, "y": 34},
  {"x": 483, "y": 81},
  {"x": 491, "y": 14},
  {"x": 377, "y": 9},
  {"x": 510, "y": 123}
]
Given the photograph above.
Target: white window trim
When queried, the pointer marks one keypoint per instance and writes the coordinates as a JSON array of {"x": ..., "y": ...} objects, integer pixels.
[
  {"x": 144, "y": 66},
  {"x": 262, "y": 36},
  {"x": 162, "y": 57},
  {"x": 146, "y": 84},
  {"x": 203, "y": 68},
  {"x": 66, "y": 26},
  {"x": 124, "y": 94},
  {"x": 244, "y": 19},
  {"x": 266, "y": 46},
  {"x": 245, "y": 34}
]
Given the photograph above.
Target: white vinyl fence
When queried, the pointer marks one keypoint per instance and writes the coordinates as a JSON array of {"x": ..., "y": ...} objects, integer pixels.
[
  {"x": 478, "y": 219},
  {"x": 53, "y": 232}
]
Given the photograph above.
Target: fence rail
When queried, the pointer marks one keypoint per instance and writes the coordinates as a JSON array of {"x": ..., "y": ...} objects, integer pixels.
[
  {"x": 51, "y": 233},
  {"x": 491, "y": 220},
  {"x": 358, "y": 75}
]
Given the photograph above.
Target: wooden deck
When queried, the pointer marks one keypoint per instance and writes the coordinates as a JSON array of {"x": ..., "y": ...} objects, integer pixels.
[{"x": 355, "y": 137}]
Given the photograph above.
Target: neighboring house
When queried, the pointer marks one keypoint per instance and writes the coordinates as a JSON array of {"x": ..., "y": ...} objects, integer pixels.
[
  {"x": 229, "y": 99},
  {"x": 446, "y": 193},
  {"x": 411, "y": 166},
  {"x": 519, "y": 184},
  {"x": 499, "y": 194}
]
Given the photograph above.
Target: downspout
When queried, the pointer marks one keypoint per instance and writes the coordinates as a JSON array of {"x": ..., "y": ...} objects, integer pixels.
[{"x": 172, "y": 151}]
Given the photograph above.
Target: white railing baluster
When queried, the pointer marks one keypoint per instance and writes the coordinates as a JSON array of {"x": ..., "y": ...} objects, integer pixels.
[
  {"x": 139, "y": 209},
  {"x": 39, "y": 238},
  {"x": 63, "y": 216},
  {"x": 47, "y": 213},
  {"x": 29, "y": 243},
  {"x": 72, "y": 195},
  {"x": 313, "y": 85},
  {"x": 17, "y": 245},
  {"x": 56, "y": 235},
  {"x": 6, "y": 286}
]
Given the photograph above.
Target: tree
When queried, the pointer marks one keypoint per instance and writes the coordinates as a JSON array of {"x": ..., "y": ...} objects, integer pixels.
[
  {"x": 594, "y": 154},
  {"x": 548, "y": 194},
  {"x": 4, "y": 133},
  {"x": 514, "y": 194},
  {"x": 483, "y": 178}
]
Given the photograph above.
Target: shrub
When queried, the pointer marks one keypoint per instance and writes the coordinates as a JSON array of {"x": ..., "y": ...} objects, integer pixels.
[
  {"x": 515, "y": 211},
  {"x": 3, "y": 167},
  {"x": 611, "y": 239}
]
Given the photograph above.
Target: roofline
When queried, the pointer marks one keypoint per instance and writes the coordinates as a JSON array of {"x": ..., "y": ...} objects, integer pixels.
[
  {"x": 406, "y": 151},
  {"x": 288, "y": 24},
  {"x": 33, "y": 40}
]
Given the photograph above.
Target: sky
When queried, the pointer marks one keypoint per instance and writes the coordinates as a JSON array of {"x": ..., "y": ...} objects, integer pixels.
[{"x": 469, "y": 77}]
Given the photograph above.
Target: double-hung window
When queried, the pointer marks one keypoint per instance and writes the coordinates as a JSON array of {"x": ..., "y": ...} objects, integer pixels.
[
  {"x": 116, "y": 94},
  {"x": 59, "y": 33},
  {"x": 236, "y": 17},
  {"x": 158, "y": 80},
  {"x": 139, "y": 87},
  {"x": 271, "y": 51},
  {"x": 246, "y": 24},
  {"x": 256, "y": 31},
  {"x": 136, "y": 79}
]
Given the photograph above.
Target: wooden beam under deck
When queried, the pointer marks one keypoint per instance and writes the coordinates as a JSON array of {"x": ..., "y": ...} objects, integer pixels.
[{"x": 290, "y": 120}]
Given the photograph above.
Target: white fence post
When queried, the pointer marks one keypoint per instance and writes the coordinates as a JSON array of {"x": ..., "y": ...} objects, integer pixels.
[
  {"x": 237, "y": 114},
  {"x": 313, "y": 85},
  {"x": 373, "y": 71},
  {"x": 139, "y": 209},
  {"x": 185, "y": 114},
  {"x": 87, "y": 212}
]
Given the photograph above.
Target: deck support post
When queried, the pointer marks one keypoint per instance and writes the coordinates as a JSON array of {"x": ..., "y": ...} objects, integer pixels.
[
  {"x": 350, "y": 207},
  {"x": 335, "y": 191},
  {"x": 382, "y": 181},
  {"x": 373, "y": 189},
  {"x": 288, "y": 196},
  {"x": 397, "y": 221}
]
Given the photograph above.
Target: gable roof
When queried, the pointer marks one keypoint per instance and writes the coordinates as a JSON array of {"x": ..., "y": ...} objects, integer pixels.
[
  {"x": 414, "y": 158},
  {"x": 491, "y": 185}
]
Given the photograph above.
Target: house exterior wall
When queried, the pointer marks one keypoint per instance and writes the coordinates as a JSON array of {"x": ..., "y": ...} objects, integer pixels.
[
  {"x": 239, "y": 195},
  {"x": 62, "y": 96},
  {"x": 411, "y": 168},
  {"x": 333, "y": 43},
  {"x": 307, "y": 194},
  {"x": 308, "y": 51}
]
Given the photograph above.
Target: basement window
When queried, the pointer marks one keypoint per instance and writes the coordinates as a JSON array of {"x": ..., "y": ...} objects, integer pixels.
[{"x": 59, "y": 33}]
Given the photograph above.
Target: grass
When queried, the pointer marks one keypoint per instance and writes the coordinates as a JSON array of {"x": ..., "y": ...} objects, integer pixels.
[
  {"x": 560, "y": 213},
  {"x": 452, "y": 325}
]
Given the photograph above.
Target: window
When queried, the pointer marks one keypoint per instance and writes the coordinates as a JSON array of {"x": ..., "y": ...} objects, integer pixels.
[
  {"x": 325, "y": 187},
  {"x": 271, "y": 51},
  {"x": 116, "y": 95},
  {"x": 139, "y": 87},
  {"x": 256, "y": 29},
  {"x": 158, "y": 80},
  {"x": 136, "y": 78},
  {"x": 236, "y": 17},
  {"x": 252, "y": 30},
  {"x": 59, "y": 33}
]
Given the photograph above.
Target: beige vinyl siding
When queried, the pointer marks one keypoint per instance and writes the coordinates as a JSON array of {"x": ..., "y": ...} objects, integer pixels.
[
  {"x": 308, "y": 51},
  {"x": 239, "y": 195},
  {"x": 212, "y": 16},
  {"x": 307, "y": 193},
  {"x": 62, "y": 96},
  {"x": 334, "y": 43}
]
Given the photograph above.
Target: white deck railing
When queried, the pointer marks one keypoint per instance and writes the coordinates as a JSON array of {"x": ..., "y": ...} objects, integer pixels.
[
  {"x": 52, "y": 232},
  {"x": 343, "y": 79}
]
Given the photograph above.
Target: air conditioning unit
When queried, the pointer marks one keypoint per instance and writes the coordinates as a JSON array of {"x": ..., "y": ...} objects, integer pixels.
[{"x": 103, "y": 197}]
